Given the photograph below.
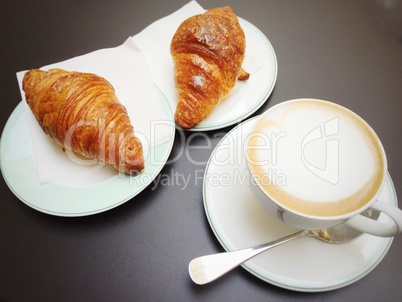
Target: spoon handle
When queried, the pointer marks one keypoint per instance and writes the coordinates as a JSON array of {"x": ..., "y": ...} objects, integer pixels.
[{"x": 208, "y": 268}]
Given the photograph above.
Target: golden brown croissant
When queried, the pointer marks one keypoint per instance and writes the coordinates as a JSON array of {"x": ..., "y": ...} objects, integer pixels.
[
  {"x": 208, "y": 51},
  {"x": 82, "y": 113}
]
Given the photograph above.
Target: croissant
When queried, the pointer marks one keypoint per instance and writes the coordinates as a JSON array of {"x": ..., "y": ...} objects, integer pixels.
[
  {"x": 208, "y": 51},
  {"x": 82, "y": 113}
]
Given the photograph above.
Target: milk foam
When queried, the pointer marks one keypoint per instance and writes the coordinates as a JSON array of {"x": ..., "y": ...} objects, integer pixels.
[{"x": 332, "y": 161}]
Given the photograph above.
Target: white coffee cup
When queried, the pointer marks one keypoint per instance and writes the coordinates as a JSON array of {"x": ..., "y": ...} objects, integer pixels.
[{"x": 315, "y": 164}]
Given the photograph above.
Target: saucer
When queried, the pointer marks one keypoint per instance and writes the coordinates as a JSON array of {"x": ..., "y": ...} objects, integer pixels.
[{"x": 238, "y": 221}]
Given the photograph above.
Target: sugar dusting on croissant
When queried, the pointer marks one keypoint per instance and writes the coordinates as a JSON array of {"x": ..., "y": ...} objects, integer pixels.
[
  {"x": 208, "y": 51},
  {"x": 82, "y": 113}
]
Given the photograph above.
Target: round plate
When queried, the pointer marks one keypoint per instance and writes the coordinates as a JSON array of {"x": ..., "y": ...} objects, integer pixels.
[
  {"x": 247, "y": 96},
  {"x": 103, "y": 190},
  {"x": 305, "y": 264}
]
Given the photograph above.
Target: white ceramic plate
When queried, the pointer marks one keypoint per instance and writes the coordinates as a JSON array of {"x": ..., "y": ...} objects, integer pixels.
[
  {"x": 100, "y": 191},
  {"x": 247, "y": 96},
  {"x": 305, "y": 264}
]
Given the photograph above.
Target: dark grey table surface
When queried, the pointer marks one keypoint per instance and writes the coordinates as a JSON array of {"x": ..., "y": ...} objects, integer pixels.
[{"x": 349, "y": 52}]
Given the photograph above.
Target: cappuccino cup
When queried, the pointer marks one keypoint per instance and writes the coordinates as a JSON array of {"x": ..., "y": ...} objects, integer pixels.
[{"x": 315, "y": 164}]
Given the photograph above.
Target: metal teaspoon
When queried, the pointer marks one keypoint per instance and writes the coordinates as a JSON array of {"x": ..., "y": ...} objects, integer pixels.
[{"x": 206, "y": 269}]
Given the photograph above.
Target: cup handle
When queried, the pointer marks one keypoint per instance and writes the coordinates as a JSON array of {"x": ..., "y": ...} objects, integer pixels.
[{"x": 377, "y": 228}]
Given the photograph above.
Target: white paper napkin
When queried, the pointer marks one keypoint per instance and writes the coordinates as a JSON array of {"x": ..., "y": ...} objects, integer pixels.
[
  {"x": 125, "y": 68},
  {"x": 154, "y": 42}
]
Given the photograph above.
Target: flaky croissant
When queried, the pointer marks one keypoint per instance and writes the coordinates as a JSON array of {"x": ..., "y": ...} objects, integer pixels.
[
  {"x": 82, "y": 113},
  {"x": 208, "y": 51}
]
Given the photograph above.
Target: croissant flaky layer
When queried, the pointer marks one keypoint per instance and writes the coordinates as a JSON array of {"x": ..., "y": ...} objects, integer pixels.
[
  {"x": 82, "y": 113},
  {"x": 208, "y": 51}
]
